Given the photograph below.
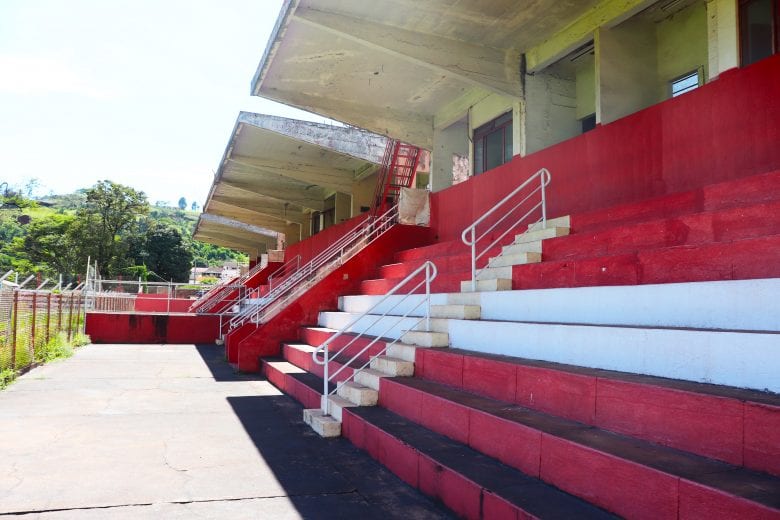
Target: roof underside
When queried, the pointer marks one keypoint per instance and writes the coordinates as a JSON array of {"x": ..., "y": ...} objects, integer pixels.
[
  {"x": 275, "y": 171},
  {"x": 395, "y": 68}
]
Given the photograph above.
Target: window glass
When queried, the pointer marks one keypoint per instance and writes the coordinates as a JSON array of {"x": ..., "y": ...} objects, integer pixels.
[
  {"x": 757, "y": 30},
  {"x": 479, "y": 155},
  {"x": 685, "y": 83},
  {"x": 508, "y": 142},
  {"x": 494, "y": 150}
]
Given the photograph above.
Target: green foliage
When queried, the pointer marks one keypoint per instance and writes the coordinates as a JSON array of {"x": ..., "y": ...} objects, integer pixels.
[
  {"x": 79, "y": 339},
  {"x": 7, "y": 377},
  {"x": 58, "y": 347}
]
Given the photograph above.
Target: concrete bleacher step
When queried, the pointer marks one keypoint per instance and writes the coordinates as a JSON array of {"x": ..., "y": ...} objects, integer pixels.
[
  {"x": 392, "y": 366},
  {"x": 535, "y": 246},
  {"x": 733, "y": 425},
  {"x": 426, "y": 339},
  {"x": 469, "y": 483},
  {"x": 496, "y": 284},
  {"x": 336, "y": 406},
  {"x": 511, "y": 259},
  {"x": 563, "y": 222},
  {"x": 358, "y": 394},
  {"x": 370, "y": 378},
  {"x": 456, "y": 311},
  {"x": 600, "y": 466},
  {"x": 325, "y": 425},
  {"x": 541, "y": 234}
]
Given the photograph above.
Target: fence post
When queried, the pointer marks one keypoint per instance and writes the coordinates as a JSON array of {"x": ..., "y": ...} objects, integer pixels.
[
  {"x": 14, "y": 323},
  {"x": 59, "y": 314},
  {"x": 78, "y": 313},
  {"x": 31, "y": 346},
  {"x": 48, "y": 318},
  {"x": 70, "y": 317}
]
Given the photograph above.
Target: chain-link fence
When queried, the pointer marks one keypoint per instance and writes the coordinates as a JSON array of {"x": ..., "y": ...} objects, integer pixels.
[{"x": 30, "y": 319}]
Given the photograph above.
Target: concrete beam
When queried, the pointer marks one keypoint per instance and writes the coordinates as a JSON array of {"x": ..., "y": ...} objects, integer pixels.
[
  {"x": 338, "y": 179},
  {"x": 216, "y": 207},
  {"x": 473, "y": 64},
  {"x": 607, "y": 14},
  {"x": 355, "y": 142},
  {"x": 411, "y": 127},
  {"x": 297, "y": 217},
  {"x": 231, "y": 223},
  {"x": 226, "y": 242},
  {"x": 456, "y": 109},
  {"x": 283, "y": 192}
]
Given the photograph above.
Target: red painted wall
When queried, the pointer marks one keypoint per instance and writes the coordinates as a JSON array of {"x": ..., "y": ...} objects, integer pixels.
[
  {"x": 105, "y": 327},
  {"x": 724, "y": 130},
  {"x": 248, "y": 342},
  {"x": 159, "y": 303},
  {"x": 312, "y": 246}
]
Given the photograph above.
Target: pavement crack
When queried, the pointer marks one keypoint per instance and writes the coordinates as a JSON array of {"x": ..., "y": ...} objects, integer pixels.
[{"x": 176, "y": 502}]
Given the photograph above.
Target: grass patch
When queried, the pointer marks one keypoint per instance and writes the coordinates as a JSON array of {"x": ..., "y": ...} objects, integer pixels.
[{"x": 7, "y": 377}]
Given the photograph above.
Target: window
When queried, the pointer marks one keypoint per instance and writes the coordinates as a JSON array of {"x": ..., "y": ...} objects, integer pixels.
[
  {"x": 759, "y": 36},
  {"x": 685, "y": 83},
  {"x": 588, "y": 123},
  {"x": 493, "y": 143}
]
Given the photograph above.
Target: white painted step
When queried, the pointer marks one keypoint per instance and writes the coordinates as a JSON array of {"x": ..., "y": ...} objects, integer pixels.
[
  {"x": 455, "y": 311},
  {"x": 337, "y": 404},
  {"x": 324, "y": 425},
  {"x": 535, "y": 246},
  {"x": 393, "y": 366},
  {"x": 740, "y": 359},
  {"x": 541, "y": 234},
  {"x": 358, "y": 394},
  {"x": 564, "y": 221},
  {"x": 498, "y": 284},
  {"x": 391, "y": 326},
  {"x": 426, "y": 339},
  {"x": 369, "y": 377},
  {"x": 515, "y": 259}
]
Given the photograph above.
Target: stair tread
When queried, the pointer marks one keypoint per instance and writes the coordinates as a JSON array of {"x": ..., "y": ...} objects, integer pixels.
[
  {"x": 342, "y": 359},
  {"x": 751, "y": 485},
  {"x": 531, "y": 494},
  {"x": 307, "y": 378}
]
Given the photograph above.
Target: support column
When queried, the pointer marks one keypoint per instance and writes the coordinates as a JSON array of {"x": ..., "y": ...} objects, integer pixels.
[{"x": 722, "y": 36}]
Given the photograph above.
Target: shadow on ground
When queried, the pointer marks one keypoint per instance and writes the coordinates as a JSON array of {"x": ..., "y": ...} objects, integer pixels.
[{"x": 322, "y": 478}]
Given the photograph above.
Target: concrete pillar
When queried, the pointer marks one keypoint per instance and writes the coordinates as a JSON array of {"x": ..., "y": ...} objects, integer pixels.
[
  {"x": 453, "y": 139},
  {"x": 363, "y": 192},
  {"x": 722, "y": 36},
  {"x": 626, "y": 69},
  {"x": 343, "y": 207},
  {"x": 551, "y": 109}
]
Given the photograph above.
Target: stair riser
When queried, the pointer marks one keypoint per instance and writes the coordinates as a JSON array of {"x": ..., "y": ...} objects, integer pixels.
[
  {"x": 460, "y": 262},
  {"x": 465, "y": 498},
  {"x": 315, "y": 338},
  {"x": 444, "y": 283},
  {"x": 712, "y": 426},
  {"x": 304, "y": 361},
  {"x": 299, "y": 391},
  {"x": 602, "y": 479}
]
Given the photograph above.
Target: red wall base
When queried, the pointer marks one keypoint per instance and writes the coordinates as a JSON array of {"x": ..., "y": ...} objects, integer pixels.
[
  {"x": 159, "y": 303},
  {"x": 105, "y": 327}
]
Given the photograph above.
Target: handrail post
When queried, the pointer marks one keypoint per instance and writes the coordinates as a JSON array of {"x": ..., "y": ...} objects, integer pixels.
[
  {"x": 473, "y": 260},
  {"x": 428, "y": 296},
  {"x": 325, "y": 390},
  {"x": 542, "y": 178}
]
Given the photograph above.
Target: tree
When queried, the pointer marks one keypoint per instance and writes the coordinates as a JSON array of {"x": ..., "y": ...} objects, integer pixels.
[
  {"x": 47, "y": 245},
  {"x": 182, "y": 203},
  {"x": 194, "y": 206},
  {"x": 110, "y": 210},
  {"x": 163, "y": 251}
]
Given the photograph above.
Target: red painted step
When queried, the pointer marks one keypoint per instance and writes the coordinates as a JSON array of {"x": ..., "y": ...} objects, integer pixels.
[
  {"x": 471, "y": 484},
  {"x": 316, "y": 336},
  {"x": 630, "y": 477},
  {"x": 738, "y": 260},
  {"x": 740, "y": 192},
  {"x": 741, "y": 427},
  {"x": 302, "y": 359},
  {"x": 724, "y": 225},
  {"x": 443, "y": 283}
]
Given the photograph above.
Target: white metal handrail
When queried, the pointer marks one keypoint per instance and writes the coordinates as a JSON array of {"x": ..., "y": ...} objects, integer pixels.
[
  {"x": 325, "y": 262},
  {"x": 286, "y": 268},
  {"x": 469, "y": 235},
  {"x": 429, "y": 268}
]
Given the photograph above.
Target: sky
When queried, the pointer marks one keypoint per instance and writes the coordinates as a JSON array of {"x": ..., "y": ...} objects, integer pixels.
[{"x": 142, "y": 92}]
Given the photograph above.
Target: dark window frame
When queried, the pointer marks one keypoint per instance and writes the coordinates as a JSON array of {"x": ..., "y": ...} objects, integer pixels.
[
  {"x": 743, "y": 30},
  {"x": 498, "y": 124}
]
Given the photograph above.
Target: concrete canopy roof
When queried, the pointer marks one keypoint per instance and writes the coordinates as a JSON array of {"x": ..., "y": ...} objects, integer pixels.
[
  {"x": 401, "y": 67},
  {"x": 276, "y": 170},
  {"x": 232, "y": 233}
]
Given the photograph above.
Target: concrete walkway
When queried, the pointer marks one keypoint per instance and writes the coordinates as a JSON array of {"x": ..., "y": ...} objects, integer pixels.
[{"x": 153, "y": 431}]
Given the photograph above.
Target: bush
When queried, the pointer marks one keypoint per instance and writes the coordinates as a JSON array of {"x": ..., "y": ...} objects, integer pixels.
[
  {"x": 7, "y": 377},
  {"x": 79, "y": 339},
  {"x": 57, "y": 348}
]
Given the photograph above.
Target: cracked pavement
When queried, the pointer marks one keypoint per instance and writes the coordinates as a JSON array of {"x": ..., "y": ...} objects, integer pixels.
[{"x": 169, "y": 431}]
